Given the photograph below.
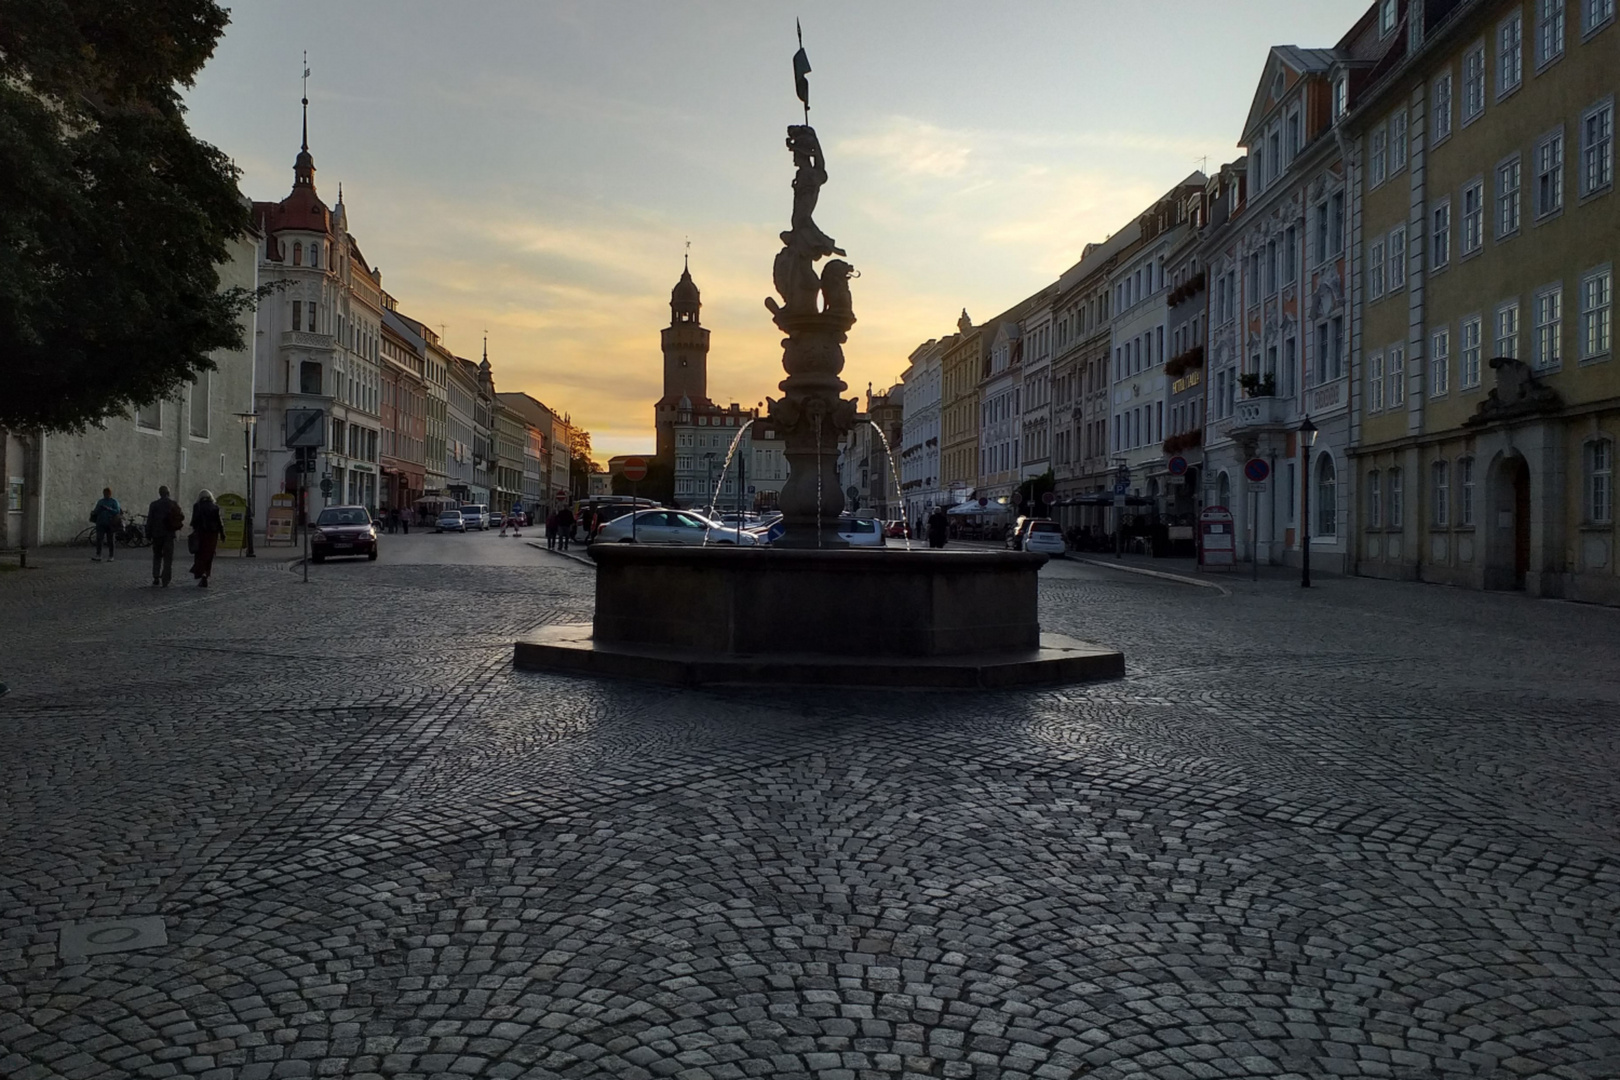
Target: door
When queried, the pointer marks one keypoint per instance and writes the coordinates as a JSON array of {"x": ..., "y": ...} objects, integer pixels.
[{"x": 1520, "y": 477}]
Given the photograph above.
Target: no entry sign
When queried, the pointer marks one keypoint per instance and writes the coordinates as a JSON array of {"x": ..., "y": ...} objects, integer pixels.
[
  {"x": 634, "y": 470},
  {"x": 1256, "y": 470}
]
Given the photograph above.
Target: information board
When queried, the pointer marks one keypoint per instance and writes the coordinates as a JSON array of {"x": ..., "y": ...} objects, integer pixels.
[
  {"x": 278, "y": 526},
  {"x": 1217, "y": 538},
  {"x": 233, "y": 513}
]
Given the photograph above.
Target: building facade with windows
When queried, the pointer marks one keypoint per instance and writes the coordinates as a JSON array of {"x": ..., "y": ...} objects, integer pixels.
[
  {"x": 189, "y": 442},
  {"x": 1489, "y": 396},
  {"x": 919, "y": 445},
  {"x": 959, "y": 369},
  {"x": 1035, "y": 457},
  {"x": 1001, "y": 408},
  {"x": 353, "y": 457}
]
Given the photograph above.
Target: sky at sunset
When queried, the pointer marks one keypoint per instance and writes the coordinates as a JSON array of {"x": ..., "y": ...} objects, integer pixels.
[{"x": 536, "y": 168}]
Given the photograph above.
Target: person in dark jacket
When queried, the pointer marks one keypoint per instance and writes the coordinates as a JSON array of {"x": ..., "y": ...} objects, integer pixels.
[
  {"x": 164, "y": 519},
  {"x": 938, "y": 527},
  {"x": 565, "y": 528},
  {"x": 206, "y": 530},
  {"x": 106, "y": 515}
]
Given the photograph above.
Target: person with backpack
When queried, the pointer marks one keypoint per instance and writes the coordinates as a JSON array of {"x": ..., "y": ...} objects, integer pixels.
[
  {"x": 105, "y": 515},
  {"x": 206, "y": 530},
  {"x": 164, "y": 520}
]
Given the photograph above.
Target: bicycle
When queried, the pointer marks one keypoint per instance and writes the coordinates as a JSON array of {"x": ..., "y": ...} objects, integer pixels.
[{"x": 132, "y": 532}]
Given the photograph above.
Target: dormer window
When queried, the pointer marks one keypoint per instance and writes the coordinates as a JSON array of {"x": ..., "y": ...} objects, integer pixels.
[
  {"x": 1386, "y": 17},
  {"x": 298, "y": 254},
  {"x": 1341, "y": 97}
]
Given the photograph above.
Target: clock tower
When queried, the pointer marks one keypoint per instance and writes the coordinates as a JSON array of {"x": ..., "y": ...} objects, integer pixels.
[{"x": 686, "y": 361}]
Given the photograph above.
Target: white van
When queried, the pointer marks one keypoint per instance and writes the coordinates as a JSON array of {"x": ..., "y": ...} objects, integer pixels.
[{"x": 476, "y": 515}]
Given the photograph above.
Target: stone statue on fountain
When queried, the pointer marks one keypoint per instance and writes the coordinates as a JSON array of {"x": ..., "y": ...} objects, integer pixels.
[{"x": 815, "y": 312}]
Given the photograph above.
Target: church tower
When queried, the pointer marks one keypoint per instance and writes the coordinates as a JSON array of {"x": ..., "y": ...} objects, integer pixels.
[{"x": 686, "y": 361}]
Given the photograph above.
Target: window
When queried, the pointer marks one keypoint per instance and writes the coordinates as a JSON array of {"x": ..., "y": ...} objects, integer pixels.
[
  {"x": 1550, "y": 174},
  {"x": 1290, "y": 365},
  {"x": 1327, "y": 497},
  {"x": 1375, "y": 500},
  {"x": 1395, "y": 380},
  {"x": 1597, "y": 299},
  {"x": 1397, "y": 507},
  {"x": 1375, "y": 382},
  {"x": 1294, "y": 139},
  {"x": 1441, "y": 235},
  {"x": 309, "y": 377},
  {"x": 1290, "y": 269},
  {"x": 297, "y": 315},
  {"x": 1440, "y": 494},
  {"x": 1509, "y": 54},
  {"x": 1377, "y": 156},
  {"x": 1442, "y": 106},
  {"x": 1336, "y": 339},
  {"x": 315, "y": 254},
  {"x": 1549, "y": 31},
  {"x": 1473, "y": 103},
  {"x": 1597, "y": 148},
  {"x": 1341, "y": 96},
  {"x": 1507, "y": 330},
  {"x": 1465, "y": 491},
  {"x": 1507, "y": 198},
  {"x": 1440, "y": 362},
  {"x": 1271, "y": 268},
  {"x": 199, "y": 405},
  {"x": 1548, "y": 312},
  {"x": 1397, "y": 142},
  {"x": 298, "y": 254},
  {"x": 1594, "y": 13},
  {"x": 1375, "y": 270},
  {"x": 1386, "y": 17},
  {"x": 1473, "y": 217},
  {"x": 150, "y": 416},
  {"x": 1600, "y": 481},
  {"x": 312, "y": 327},
  {"x": 1336, "y": 204},
  {"x": 1472, "y": 346},
  {"x": 1396, "y": 274}
]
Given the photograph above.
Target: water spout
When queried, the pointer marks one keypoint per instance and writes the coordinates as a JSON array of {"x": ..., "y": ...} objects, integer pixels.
[
  {"x": 894, "y": 471},
  {"x": 714, "y": 501}
]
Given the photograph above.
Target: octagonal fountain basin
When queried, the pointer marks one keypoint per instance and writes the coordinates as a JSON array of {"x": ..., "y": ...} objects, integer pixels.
[{"x": 848, "y": 617}]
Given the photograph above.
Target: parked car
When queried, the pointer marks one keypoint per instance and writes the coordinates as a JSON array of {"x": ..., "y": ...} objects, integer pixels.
[
  {"x": 896, "y": 530},
  {"x": 664, "y": 526},
  {"x": 854, "y": 531},
  {"x": 342, "y": 530},
  {"x": 450, "y": 521},
  {"x": 1037, "y": 534},
  {"x": 476, "y": 515}
]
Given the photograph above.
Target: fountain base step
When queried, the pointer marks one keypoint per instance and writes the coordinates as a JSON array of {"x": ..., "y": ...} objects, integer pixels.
[{"x": 1059, "y": 660}]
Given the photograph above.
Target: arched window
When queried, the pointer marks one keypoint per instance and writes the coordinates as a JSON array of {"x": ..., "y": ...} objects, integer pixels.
[
  {"x": 315, "y": 254},
  {"x": 1327, "y": 497},
  {"x": 1223, "y": 491},
  {"x": 298, "y": 254}
]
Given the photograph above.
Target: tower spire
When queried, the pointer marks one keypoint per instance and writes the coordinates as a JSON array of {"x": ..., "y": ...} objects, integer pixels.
[{"x": 306, "y": 101}]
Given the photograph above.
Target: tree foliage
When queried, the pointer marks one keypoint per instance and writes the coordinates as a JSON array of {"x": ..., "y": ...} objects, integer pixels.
[{"x": 115, "y": 217}]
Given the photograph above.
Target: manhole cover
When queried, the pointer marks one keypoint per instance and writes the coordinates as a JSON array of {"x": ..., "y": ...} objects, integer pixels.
[{"x": 80, "y": 940}]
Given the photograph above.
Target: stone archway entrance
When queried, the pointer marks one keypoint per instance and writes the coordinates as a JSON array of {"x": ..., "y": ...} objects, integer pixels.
[{"x": 1508, "y": 518}]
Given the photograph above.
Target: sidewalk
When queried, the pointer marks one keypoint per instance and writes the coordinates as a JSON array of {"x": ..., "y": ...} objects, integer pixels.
[{"x": 1185, "y": 567}]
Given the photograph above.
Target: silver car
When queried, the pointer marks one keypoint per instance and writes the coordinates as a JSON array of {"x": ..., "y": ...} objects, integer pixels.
[
  {"x": 665, "y": 526},
  {"x": 451, "y": 521}
]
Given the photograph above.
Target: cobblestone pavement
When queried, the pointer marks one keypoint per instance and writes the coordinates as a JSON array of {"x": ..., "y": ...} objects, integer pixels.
[{"x": 1366, "y": 831}]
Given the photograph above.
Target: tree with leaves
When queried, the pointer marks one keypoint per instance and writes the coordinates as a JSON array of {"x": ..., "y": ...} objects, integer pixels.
[{"x": 113, "y": 217}]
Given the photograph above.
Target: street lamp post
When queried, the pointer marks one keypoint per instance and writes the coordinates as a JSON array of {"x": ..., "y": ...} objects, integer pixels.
[
  {"x": 1307, "y": 439},
  {"x": 708, "y": 480},
  {"x": 249, "y": 419}
]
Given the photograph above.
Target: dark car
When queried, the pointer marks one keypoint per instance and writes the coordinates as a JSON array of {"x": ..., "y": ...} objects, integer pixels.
[{"x": 343, "y": 530}]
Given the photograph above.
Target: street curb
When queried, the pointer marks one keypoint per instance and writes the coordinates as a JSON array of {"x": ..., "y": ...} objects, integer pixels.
[
  {"x": 564, "y": 554},
  {"x": 1184, "y": 579}
]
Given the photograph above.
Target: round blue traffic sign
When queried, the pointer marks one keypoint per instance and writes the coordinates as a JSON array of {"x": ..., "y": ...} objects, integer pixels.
[
  {"x": 1177, "y": 466},
  {"x": 1256, "y": 470}
]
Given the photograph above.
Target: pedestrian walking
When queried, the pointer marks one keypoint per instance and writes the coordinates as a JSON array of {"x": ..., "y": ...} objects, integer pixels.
[
  {"x": 405, "y": 522},
  {"x": 565, "y": 527},
  {"x": 938, "y": 527},
  {"x": 164, "y": 520},
  {"x": 587, "y": 522},
  {"x": 551, "y": 529},
  {"x": 206, "y": 530},
  {"x": 105, "y": 514}
]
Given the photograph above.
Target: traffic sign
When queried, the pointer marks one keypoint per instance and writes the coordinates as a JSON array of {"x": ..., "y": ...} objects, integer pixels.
[
  {"x": 983, "y": 501},
  {"x": 326, "y": 485},
  {"x": 306, "y": 427},
  {"x": 1256, "y": 470},
  {"x": 634, "y": 469},
  {"x": 1122, "y": 487},
  {"x": 1049, "y": 498},
  {"x": 1177, "y": 466},
  {"x": 853, "y": 492}
]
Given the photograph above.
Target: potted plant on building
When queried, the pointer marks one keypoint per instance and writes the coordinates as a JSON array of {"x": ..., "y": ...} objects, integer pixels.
[{"x": 1256, "y": 385}]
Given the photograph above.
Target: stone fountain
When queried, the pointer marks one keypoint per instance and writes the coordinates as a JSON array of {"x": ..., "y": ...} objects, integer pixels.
[{"x": 809, "y": 609}]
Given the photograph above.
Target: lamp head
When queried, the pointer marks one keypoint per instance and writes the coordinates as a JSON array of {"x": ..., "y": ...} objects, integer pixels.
[{"x": 1307, "y": 432}]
